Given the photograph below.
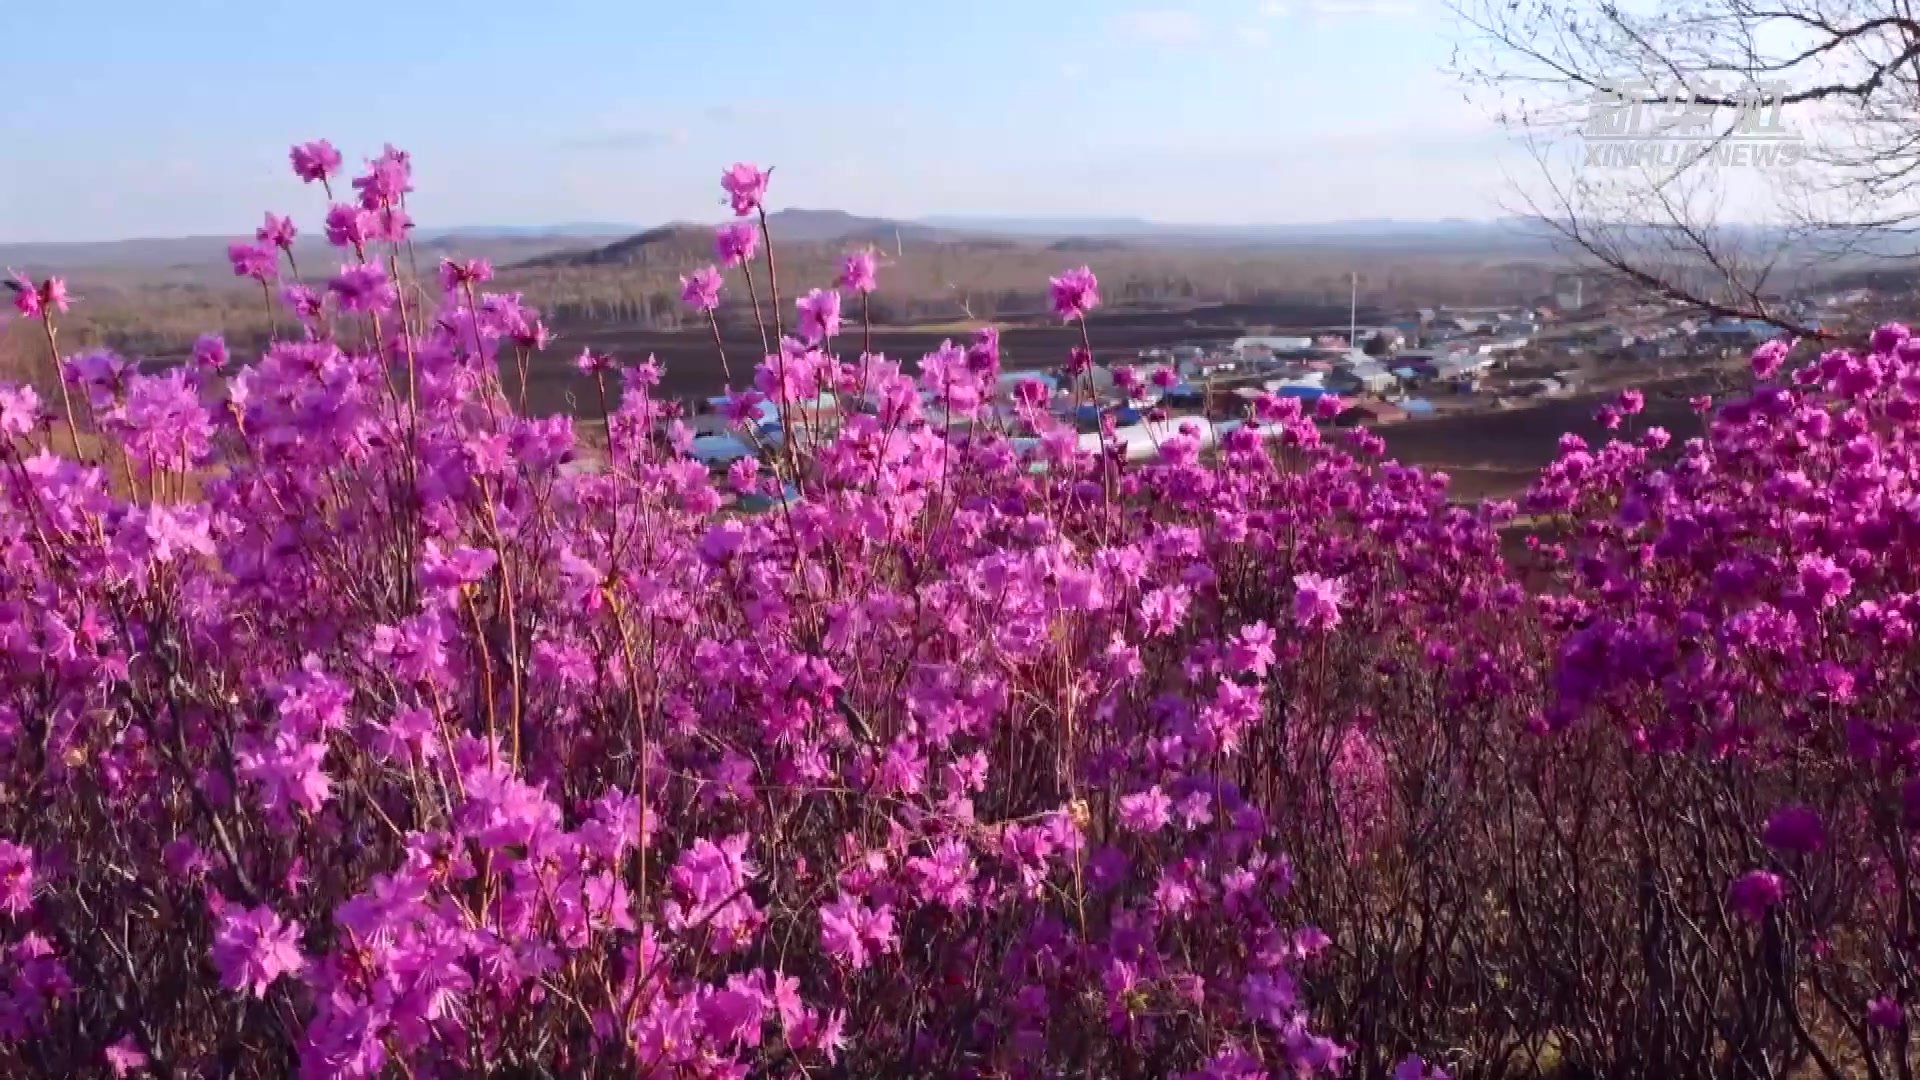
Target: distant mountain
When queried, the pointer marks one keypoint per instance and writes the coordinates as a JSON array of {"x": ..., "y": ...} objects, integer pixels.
[
  {"x": 203, "y": 259},
  {"x": 584, "y": 229},
  {"x": 683, "y": 244},
  {"x": 673, "y": 247},
  {"x": 818, "y": 226},
  {"x": 1043, "y": 226}
]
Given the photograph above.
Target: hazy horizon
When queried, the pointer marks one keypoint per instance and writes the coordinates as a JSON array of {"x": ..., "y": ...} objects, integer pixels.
[{"x": 1010, "y": 224}]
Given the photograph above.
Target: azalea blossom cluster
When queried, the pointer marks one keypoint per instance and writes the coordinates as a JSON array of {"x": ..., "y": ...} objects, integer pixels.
[{"x": 356, "y": 722}]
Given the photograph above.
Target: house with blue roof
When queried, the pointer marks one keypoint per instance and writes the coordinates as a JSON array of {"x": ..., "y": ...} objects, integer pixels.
[{"x": 1738, "y": 332}]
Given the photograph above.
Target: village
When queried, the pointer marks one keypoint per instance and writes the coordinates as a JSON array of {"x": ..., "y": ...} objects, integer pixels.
[{"x": 1423, "y": 364}]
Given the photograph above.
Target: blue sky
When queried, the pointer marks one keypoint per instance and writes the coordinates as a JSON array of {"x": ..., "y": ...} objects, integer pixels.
[{"x": 132, "y": 118}]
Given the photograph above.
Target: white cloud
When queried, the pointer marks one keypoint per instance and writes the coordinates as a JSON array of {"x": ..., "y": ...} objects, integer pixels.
[
  {"x": 1274, "y": 9},
  {"x": 1160, "y": 26}
]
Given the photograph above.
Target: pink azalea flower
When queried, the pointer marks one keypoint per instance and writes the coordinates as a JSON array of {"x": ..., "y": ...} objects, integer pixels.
[
  {"x": 1768, "y": 358},
  {"x": 26, "y": 295},
  {"x": 253, "y": 261},
  {"x": 1889, "y": 336},
  {"x": 316, "y": 160},
  {"x": 348, "y": 226},
  {"x": 456, "y": 275},
  {"x": 853, "y": 933},
  {"x": 1146, "y": 811},
  {"x": 819, "y": 314},
  {"x": 1795, "y": 828},
  {"x": 210, "y": 352},
  {"x": 1075, "y": 293},
  {"x": 125, "y": 1056},
  {"x": 387, "y": 180},
  {"x": 20, "y": 410},
  {"x": 701, "y": 290},
  {"x": 305, "y": 301},
  {"x": 16, "y": 878},
  {"x": 735, "y": 243},
  {"x": 253, "y": 948},
  {"x": 746, "y": 188},
  {"x": 1753, "y": 893},
  {"x": 858, "y": 272},
  {"x": 363, "y": 288},
  {"x": 276, "y": 232},
  {"x": 1316, "y": 603}
]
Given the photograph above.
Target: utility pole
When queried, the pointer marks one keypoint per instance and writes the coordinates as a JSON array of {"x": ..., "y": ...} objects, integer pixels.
[{"x": 1353, "y": 312}]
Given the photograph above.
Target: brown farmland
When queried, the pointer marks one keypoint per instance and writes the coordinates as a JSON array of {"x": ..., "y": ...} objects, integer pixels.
[{"x": 1495, "y": 453}]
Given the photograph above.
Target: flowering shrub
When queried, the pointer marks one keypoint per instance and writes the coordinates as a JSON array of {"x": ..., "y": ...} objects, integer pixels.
[{"x": 355, "y": 723}]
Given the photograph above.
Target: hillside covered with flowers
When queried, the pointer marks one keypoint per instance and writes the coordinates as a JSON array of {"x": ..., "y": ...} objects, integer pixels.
[{"x": 354, "y": 722}]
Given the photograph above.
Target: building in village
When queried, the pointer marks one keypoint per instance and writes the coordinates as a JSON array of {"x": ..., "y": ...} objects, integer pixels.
[{"x": 1370, "y": 413}]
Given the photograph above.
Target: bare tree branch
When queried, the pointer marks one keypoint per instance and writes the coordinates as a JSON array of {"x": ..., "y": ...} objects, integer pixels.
[{"x": 1687, "y": 226}]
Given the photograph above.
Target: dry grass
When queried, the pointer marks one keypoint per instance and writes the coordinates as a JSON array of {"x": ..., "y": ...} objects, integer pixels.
[{"x": 122, "y": 479}]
